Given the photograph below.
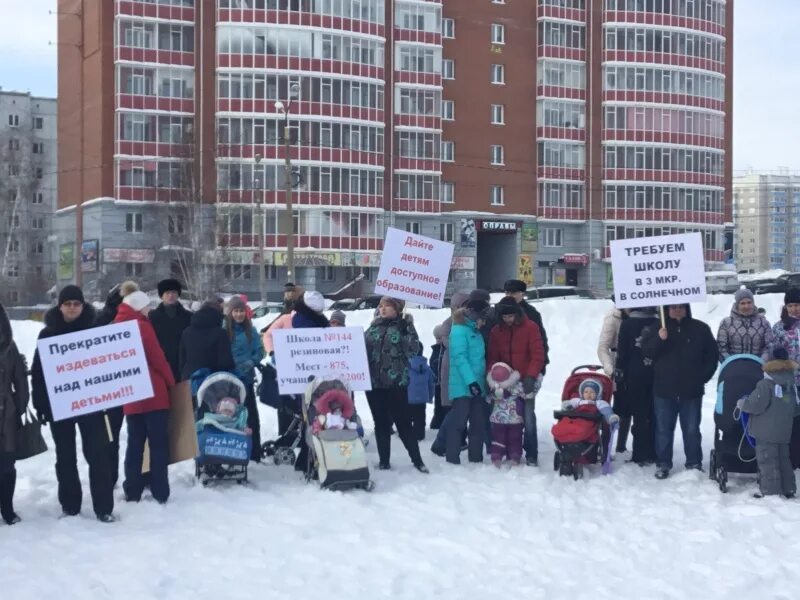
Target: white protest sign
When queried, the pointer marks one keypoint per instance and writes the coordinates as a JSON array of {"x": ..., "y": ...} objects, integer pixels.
[
  {"x": 93, "y": 370},
  {"x": 337, "y": 352},
  {"x": 658, "y": 271},
  {"x": 414, "y": 268}
]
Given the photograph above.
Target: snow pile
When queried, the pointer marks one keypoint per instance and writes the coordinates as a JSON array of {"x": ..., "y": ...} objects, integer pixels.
[{"x": 468, "y": 532}]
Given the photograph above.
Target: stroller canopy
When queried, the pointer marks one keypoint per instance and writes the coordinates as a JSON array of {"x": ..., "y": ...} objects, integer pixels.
[{"x": 218, "y": 386}]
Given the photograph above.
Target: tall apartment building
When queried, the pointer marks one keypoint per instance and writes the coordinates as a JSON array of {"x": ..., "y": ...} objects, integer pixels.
[
  {"x": 766, "y": 211},
  {"x": 631, "y": 134},
  {"x": 530, "y": 134},
  {"x": 28, "y": 169}
]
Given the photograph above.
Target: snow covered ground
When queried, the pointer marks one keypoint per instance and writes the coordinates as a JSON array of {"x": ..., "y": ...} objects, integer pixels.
[{"x": 461, "y": 532}]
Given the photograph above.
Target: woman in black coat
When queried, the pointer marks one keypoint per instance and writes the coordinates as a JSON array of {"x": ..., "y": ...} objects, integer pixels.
[
  {"x": 205, "y": 345},
  {"x": 634, "y": 379},
  {"x": 13, "y": 402}
]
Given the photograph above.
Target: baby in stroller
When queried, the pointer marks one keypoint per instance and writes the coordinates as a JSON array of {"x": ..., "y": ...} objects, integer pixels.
[
  {"x": 583, "y": 424},
  {"x": 223, "y": 435},
  {"x": 335, "y": 410}
]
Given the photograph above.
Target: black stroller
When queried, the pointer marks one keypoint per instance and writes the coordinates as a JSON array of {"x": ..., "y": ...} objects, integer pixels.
[
  {"x": 282, "y": 449},
  {"x": 732, "y": 453}
]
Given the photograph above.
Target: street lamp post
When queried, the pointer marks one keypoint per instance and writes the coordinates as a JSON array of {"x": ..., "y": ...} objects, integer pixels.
[
  {"x": 259, "y": 214},
  {"x": 285, "y": 109}
]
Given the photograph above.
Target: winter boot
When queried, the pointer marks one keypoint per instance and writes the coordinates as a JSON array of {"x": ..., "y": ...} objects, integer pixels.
[
  {"x": 662, "y": 473},
  {"x": 7, "y": 485},
  {"x": 497, "y": 462}
]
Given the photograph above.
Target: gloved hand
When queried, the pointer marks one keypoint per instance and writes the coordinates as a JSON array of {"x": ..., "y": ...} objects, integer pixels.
[
  {"x": 613, "y": 419},
  {"x": 567, "y": 405},
  {"x": 619, "y": 377},
  {"x": 42, "y": 417},
  {"x": 475, "y": 389},
  {"x": 529, "y": 385},
  {"x": 740, "y": 402}
]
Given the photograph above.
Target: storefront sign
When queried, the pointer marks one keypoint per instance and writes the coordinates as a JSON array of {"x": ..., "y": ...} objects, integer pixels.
[
  {"x": 414, "y": 268},
  {"x": 469, "y": 235},
  {"x": 128, "y": 255},
  {"x": 93, "y": 370},
  {"x": 500, "y": 226},
  {"x": 372, "y": 259},
  {"x": 66, "y": 261},
  {"x": 461, "y": 263},
  {"x": 309, "y": 259},
  {"x": 525, "y": 269},
  {"x": 89, "y": 256},
  {"x": 559, "y": 277},
  {"x": 658, "y": 271},
  {"x": 576, "y": 259},
  {"x": 530, "y": 237},
  {"x": 464, "y": 275}
]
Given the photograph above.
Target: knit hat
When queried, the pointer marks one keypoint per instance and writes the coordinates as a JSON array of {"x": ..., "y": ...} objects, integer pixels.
[
  {"x": 478, "y": 300},
  {"x": 742, "y": 294},
  {"x": 500, "y": 372},
  {"x": 514, "y": 285},
  {"x": 70, "y": 292},
  {"x": 137, "y": 300},
  {"x": 792, "y": 296},
  {"x": 780, "y": 354},
  {"x": 236, "y": 303},
  {"x": 458, "y": 300},
  {"x": 507, "y": 306},
  {"x": 128, "y": 287},
  {"x": 595, "y": 385},
  {"x": 314, "y": 301},
  {"x": 398, "y": 304},
  {"x": 169, "y": 285},
  {"x": 338, "y": 317},
  {"x": 288, "y": 287}
]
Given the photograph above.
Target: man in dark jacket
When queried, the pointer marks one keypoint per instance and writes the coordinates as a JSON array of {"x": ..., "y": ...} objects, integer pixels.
[
  {"x": 634, "y": 379},
  {"x": 515, "y": 288},
  {"x": 73, "y": 314},
  {"x": 684, "y": 355},
  {"x": 169, "y": 320},
  {"x": 205, "y": 344}
]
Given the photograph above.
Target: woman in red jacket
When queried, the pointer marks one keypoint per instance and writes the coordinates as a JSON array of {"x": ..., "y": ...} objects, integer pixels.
[
  {"x": 147, "y": 419},
  {"x": 517, "y": 341}
]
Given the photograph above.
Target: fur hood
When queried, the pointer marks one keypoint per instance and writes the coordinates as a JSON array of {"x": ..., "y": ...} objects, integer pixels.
[
  {"x": 777, "y": 366},
  {"x": 464, "y": 316},
  {"x": 55, "y": 324},
  {"x": 512, "y": 380}
]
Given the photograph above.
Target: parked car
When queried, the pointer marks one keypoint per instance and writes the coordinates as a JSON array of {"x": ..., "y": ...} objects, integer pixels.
[
  {"x": 266, "y": 309},
  {"x": 779, "y": 285},
  {"x": 347, "y": 304},
  {"x": 367, "y": 303},
  {"x": 722, "y": 282}
]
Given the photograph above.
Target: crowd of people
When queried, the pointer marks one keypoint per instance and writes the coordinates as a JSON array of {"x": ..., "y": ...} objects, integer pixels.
[{"x": 484, "y": 374}]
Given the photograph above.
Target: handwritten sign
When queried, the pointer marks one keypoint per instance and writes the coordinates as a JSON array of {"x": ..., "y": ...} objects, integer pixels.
[
  {"x": 337, "y": 352},
  {"x": 658, "y": 271},
  {"x": 414, "y": 268}
]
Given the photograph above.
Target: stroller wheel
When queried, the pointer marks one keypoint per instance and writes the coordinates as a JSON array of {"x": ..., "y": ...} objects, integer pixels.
[
  {"x": 284, "y": 456},
  {"x": 565, "y": 469},
  {"x": 556, "y": 460},
  {"x": 577, "y": 471},
  {"x": 267, "y": 449}
]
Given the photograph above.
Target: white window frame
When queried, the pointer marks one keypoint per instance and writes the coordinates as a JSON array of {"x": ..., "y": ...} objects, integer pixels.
[
  {"x": 498, "y": 34},
  {"x": 498, "y": 75},
  {"x": 448, "y": 28},
  {"x": 136, "y": 224},
  {"x": 448, "y": 110},
  {"x": 497, "y": 155},
  {"x": 448, "y": 151},
  {"x": 498, "y": 114},
  {"x": 448, "y": 197},
  {"x": 448, "y": 68},
  {"x": 447, "y": 232},
  {"x": 497, "y": 195},
  {"x": 552, "y": 237},
  {"x": 414, "y": 227}
]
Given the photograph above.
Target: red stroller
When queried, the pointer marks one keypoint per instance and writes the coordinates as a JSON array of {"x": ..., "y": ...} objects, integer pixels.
[{"x": 581, "y": 435}]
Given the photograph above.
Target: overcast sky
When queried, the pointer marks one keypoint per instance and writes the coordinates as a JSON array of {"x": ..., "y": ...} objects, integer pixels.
[{"x": 767, "y": 72}]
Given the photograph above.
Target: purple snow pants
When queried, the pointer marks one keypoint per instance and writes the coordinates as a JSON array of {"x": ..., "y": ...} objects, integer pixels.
[{"x": 506, "y": 441}]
